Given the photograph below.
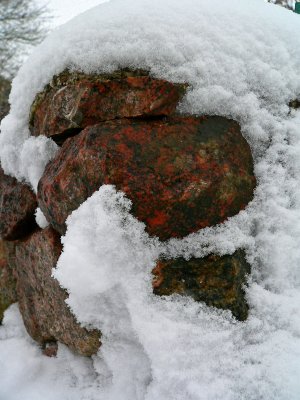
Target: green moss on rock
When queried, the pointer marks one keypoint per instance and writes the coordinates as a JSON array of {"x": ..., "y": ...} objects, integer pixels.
[{"x": 217, "y": 281}]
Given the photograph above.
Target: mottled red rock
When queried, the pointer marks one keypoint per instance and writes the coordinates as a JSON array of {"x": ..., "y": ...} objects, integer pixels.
[
  {"x": 46, "y": 316},
  {"x": 182, "y": 173},
  {"x": 8, "y": 293},
  {"x": 17, "y": 208},
  {"x": 74, "y": 100},
  {"x": 218, "y": 281}
]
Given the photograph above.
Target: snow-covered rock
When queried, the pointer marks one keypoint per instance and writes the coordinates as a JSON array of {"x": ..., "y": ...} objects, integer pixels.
[{"x": 241, "y": 60}]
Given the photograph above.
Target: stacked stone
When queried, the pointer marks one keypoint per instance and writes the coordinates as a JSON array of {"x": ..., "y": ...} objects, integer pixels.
[
  {"x": 27, "y": 256},
  {"x": 181, "y": 173}
]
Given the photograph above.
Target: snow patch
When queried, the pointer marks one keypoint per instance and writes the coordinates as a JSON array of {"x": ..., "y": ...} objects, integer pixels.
[{"x": 41, "y": 219}]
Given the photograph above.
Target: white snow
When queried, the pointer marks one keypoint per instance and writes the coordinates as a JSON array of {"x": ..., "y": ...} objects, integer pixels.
[
  {"x": 41, "y": 219},
  {"x": 63, "y": 11},
  {"x": 25, "y": 374},
  {"x": 241, "y": 59}
]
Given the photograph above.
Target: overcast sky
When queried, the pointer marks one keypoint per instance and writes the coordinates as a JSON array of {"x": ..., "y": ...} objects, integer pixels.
[{"x": 63, "y": 10}]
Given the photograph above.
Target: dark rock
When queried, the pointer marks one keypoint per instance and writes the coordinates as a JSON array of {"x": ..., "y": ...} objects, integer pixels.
[
  {"x": 46, "y": 316},
  {"x": 50, "y": 349},
  {"x": 8, "y": 293},
  {"x": 294, "y": 104},
  {"x": 218, "y": 281},
  {"x": 17, "y": 208},
  {"x": 182, "y": 173},
  {"x": 4, "y": 95},
  {"x": 74, "y": 101}
]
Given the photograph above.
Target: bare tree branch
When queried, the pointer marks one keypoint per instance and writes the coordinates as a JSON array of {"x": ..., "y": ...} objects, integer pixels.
[{"x": 22, "y": 24}]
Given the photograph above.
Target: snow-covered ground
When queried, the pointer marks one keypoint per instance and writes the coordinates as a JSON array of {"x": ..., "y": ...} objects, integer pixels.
[{"x": 241, "y": 59}]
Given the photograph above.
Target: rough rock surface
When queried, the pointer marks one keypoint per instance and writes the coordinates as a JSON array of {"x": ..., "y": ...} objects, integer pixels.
[
  {"x": 73, "y": 101},
  {"x": 4, "y": 94},
  {"x": 17, "y": 208},
  {"x": 8, "y": 293},
  {"x": 181, "y": 173},
  {"x": 218, "y": 281},
  {"x": 50, "y": 349},
  {"x": 42, "y": 301}
]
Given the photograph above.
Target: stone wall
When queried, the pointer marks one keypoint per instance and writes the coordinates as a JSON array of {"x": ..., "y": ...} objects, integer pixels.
[{"x": 182, "y": 173}]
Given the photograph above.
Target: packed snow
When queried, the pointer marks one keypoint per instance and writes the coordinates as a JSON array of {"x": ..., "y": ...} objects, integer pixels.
[
  {"x": 241, "y": 59},
  {"x": 40, "y": 219}
]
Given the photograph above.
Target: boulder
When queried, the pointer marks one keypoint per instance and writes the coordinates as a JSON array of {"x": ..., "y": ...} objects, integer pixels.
[
  {"x": 72, "y": 101},
  {"x": 17, "y": 208},
  {"x": 46, "y": 316},
  {"x": 181, "y": 173},
  {"x": 217, "y": 281},
  {"x": 8, "y": 293}
]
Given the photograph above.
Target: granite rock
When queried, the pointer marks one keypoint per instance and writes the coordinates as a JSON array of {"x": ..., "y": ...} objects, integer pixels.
[
  {"x": 181, "y": 173},
  {"x": 73, "y": 101},
  {"x": 46, "y": 316},
  {"x": 217, "y": 281},
  {"x": 17, "y": 208},
  {"x": 8, "y": 293}
]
